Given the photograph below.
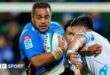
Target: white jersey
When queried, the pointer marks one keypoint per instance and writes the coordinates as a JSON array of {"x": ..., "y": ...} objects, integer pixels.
[{"x": 98, "y": 65}]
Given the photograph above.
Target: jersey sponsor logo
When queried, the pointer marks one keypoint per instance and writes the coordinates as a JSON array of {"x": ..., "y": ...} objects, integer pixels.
[
  {"x": 104, "y": 70},
  {"x": 27, "y": 42}
]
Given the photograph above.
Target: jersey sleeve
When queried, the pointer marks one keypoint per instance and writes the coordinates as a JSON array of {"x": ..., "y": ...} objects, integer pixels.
[
  {"x": 31, "y": 44},
  {"x": 88, "y": 36}
]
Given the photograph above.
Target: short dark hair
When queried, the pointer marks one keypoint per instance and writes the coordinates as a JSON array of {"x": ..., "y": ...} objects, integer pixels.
[
  {"x": 40, "y": 5},
  {"x": 83, "y": 20},
  {"x": 67, "y": 24}
]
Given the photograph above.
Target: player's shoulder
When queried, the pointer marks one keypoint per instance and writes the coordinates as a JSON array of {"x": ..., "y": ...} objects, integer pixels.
[
  {"x": 99, "y": 37},
  {"x": 29, "y": 29},
  {"x": 55, "y": 24},
  {"x": 89, "y": 36},
  {"x": 55, "y": 27},
  {"x": 28, "y": 26}
]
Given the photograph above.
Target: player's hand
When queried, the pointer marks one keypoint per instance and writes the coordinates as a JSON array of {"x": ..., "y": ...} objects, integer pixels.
[
  {"x": 73, "y": 57},
  {"x": 62, "y": 43},
  {"x": 95, "y": 49}
]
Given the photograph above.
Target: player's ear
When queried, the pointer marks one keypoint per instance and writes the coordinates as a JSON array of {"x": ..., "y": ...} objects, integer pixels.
[
  {"x": 31, "y": 15},
  {"x": 83, "y": 29}
]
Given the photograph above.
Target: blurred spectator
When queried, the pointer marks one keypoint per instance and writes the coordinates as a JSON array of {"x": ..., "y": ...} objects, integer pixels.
[
  {"x": 98, "y": 22},
  {"x": 13, "y": 38},
  {"x": 66, "y": 17},
  {"x": 6, "y": 53}
]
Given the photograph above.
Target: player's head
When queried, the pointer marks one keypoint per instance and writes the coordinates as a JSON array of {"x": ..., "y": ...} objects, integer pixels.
[
  {"x": 41, "y": 16},
  {"x": 82, "y": 24},
  {"x": 68, "y": 31}
]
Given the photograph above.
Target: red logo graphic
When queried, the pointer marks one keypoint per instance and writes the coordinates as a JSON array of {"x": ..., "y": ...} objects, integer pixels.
[{"x": 27, "y": 37}]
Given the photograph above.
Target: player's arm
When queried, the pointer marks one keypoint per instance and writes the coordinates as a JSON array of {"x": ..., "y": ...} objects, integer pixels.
[
  {"x": 76, "y": 43},
  {"x": 84, "y": 38},
  {"x": 77, "y": 64},
  {"x": 48, "y": 57},
  {"x": 45, "y": 58},
  {"x": 94, "y": 49}
]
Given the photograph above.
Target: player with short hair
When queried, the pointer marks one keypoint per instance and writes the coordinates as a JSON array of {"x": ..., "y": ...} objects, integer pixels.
[
  {"x": 85, "y": 36},
  {"x": 37, "y": 59},
  {"x": 68, "y": 36},
  {"x": 74, "y": 56}
]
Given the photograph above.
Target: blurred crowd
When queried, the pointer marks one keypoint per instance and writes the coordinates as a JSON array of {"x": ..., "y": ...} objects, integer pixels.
[{"x": 9, "y": 47}]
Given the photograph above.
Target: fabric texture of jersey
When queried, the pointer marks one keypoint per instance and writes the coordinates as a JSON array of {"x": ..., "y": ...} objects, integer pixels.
[{"x": 100, "y": 64}]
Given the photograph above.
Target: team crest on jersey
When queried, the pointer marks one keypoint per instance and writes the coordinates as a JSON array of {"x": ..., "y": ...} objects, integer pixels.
[{"x": 27, "y": 42}]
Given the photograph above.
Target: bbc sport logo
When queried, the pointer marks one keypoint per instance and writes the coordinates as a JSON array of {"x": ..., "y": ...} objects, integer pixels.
[{"x": 6, "y": 66}]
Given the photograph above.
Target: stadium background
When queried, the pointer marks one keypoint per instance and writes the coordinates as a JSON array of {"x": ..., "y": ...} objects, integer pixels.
[{"x": 12, "y": 23}]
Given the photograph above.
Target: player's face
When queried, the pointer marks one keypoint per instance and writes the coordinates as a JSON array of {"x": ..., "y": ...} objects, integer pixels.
[
  {"x": 41, "y": 18},
  {"x": 68, "y": 34}
]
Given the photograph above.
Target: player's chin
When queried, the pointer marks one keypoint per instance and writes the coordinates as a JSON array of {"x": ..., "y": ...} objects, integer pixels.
[{"x": 43, "y": 29}]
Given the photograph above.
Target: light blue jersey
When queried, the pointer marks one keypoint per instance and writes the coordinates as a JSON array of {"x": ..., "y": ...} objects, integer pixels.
[{"x": 31, "y": 44}]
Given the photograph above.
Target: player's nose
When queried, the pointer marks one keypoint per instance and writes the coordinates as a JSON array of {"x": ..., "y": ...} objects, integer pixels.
[{"x": 42, "y": 20}]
